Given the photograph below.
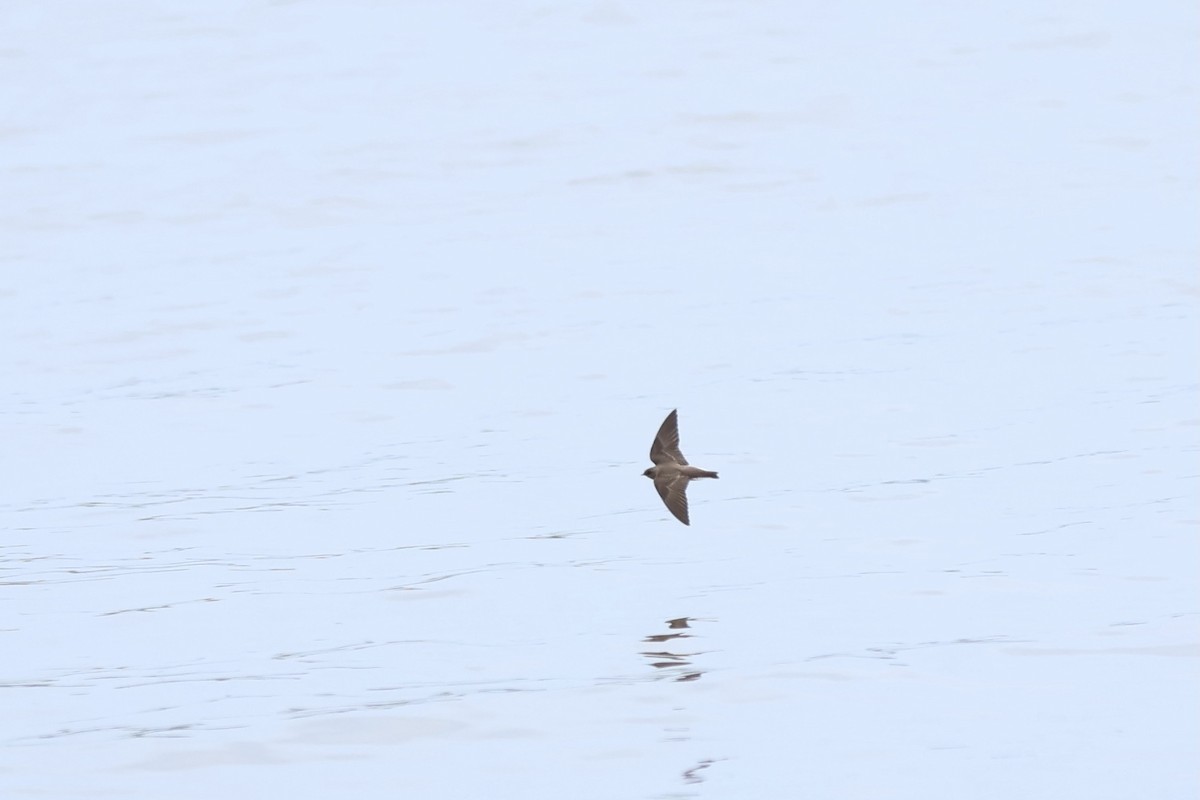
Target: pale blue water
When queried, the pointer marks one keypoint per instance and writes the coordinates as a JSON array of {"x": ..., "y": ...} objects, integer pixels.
[{"x": 337, "y": 335}]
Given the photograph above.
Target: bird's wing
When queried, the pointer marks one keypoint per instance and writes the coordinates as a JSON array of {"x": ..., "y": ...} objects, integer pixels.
[
  {"x": 673, "y": 491},
  {"x": 665, "y": 449}
]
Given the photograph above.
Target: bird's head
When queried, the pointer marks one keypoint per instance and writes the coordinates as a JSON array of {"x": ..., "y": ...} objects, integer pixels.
[{"x": 650, "y": 472}]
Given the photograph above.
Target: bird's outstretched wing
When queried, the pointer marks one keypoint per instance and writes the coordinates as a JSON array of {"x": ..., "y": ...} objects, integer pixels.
[
  {"x": 665, "y": 449},
  {"x": 673, "y": 491}
]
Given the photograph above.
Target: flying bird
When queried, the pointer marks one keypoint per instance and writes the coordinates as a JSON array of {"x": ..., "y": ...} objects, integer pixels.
[{"x": 671, "y": 472}]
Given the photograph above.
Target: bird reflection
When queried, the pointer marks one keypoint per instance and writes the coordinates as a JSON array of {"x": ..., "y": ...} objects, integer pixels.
[
  {"x": 677, "y": 662},
  {"x": 693, "y": 775}
]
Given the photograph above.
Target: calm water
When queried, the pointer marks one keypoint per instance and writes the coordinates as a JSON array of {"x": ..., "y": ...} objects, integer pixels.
[{"x": 337, "y": 334}]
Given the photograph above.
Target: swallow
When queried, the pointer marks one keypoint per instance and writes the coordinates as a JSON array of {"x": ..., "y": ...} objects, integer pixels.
[{"x": 671, "y": 472}]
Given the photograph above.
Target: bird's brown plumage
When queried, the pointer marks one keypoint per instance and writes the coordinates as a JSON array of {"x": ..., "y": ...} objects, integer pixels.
[{"x": 671, "y": 472}]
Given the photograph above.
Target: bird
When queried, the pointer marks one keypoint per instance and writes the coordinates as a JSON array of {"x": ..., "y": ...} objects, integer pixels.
[{"x": 671, "y": 472}]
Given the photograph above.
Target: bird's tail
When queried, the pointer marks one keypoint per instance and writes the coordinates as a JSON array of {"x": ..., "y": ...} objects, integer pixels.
[{"x": 696, "y": 472}]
